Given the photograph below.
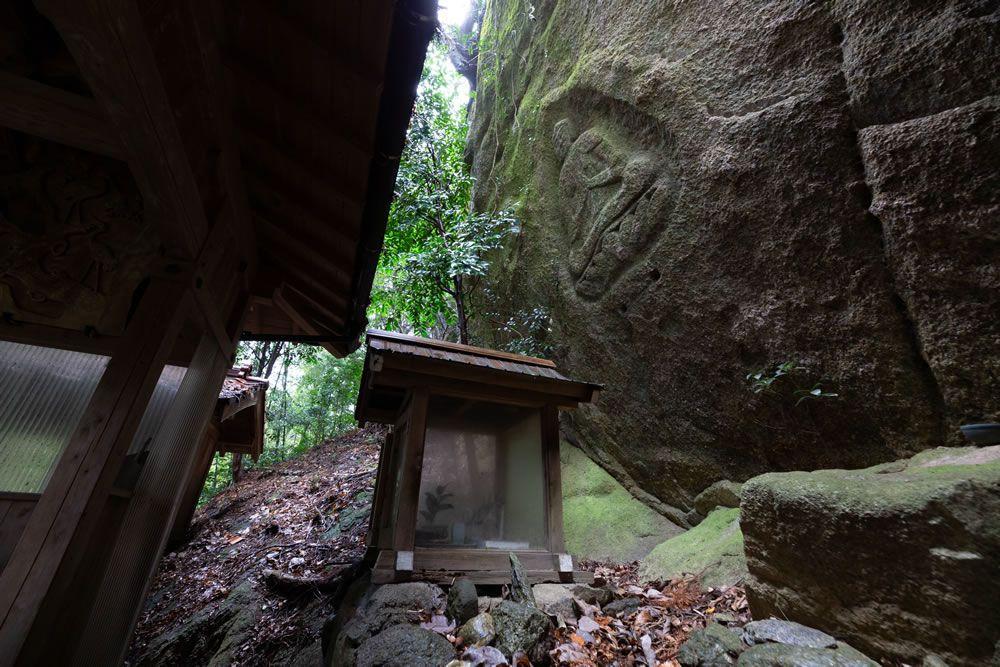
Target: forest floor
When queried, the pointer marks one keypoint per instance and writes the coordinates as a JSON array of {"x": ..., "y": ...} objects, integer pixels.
[
  {"x": 305, "y": 517},
  {"x": 304, "y": 520}
]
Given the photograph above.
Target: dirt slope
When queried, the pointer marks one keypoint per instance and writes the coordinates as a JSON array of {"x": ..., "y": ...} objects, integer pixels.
[{"x": 307, "y": 517}]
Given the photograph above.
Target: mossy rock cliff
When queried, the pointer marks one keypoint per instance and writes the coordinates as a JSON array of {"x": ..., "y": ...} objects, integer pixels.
[{"x": 709, "y": 189}]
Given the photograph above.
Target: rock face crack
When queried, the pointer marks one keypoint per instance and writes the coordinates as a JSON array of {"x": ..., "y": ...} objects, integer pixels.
[{"x": 911, "y": 332}]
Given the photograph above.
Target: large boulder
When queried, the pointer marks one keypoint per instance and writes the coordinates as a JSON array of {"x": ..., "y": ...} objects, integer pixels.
[
  {"x": 707, "y": 190},
  {"x": 712, "y": 551},
  {"x": 368, "y": 610},
  {"x": 602, "y": 520},
  {"x": 209, "y": 637},
  {"x": 901, "y": 560},
  {"x": 405, "y": 646}
]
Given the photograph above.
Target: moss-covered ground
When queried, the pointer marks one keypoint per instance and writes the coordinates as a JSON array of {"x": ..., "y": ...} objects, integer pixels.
[
  {"x": 713, "y": 550},
  {"x": 602, "y": 520}
]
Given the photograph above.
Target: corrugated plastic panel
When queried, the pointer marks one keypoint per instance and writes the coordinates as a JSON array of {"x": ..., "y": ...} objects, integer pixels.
[
  {"x": 156, "y": 411},
  {"x": 43, "y": 394},
  {"x": 151, "y": 509}
]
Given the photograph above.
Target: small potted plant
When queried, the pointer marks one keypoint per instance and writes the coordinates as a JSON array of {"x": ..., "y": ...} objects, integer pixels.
[{"x": 435, "y": 502}]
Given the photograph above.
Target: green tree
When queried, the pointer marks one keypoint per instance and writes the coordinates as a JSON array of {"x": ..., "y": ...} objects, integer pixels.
[{"x": 436, "y": 247}]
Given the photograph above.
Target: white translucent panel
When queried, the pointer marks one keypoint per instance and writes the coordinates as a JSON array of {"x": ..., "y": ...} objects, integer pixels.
[
  {"x": 43, "y": 394},
  {"x": 483, "y": 482},
  {"x": 156, "y": 411},
  {"x": 174, "y": 419}
]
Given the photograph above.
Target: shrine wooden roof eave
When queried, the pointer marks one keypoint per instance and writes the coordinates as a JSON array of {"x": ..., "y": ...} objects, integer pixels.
[{"x": 396, "y": 363}]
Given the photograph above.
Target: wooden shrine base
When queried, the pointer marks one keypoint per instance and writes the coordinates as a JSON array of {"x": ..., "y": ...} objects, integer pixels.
[{"x": 482, "y": 566}]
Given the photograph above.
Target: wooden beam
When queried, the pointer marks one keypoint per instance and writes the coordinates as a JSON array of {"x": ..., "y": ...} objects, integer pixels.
[
  {"x": 558, "y": 389},
  {"x": 108, "y": 40},
  {"x": 287, "y": 213},
  {"x": 297, "y": 110},
  {"x": 206, "y": 27},
  {"x": 328, "y": 268},
  {"x": 304, "y": 281},
  {"x": 308, "y": 181},
  {"x": 57, "y": 337},
  {"x": 57, "y": 115},
  {"x": 457, "y": 388},
  {"x": 71, "y": 506},
  {"x": 288, "y": 298},
  {"x": 196, "y": 480}
]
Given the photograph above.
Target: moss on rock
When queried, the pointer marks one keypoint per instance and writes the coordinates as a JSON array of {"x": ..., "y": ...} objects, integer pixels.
[
  {"x": 601, "y": 518},
  {"x": 713, "y": 550}
]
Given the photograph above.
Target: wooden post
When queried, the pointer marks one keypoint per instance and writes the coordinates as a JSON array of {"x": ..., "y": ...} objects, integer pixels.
[
  {"x": 553, "y": 478},
  {"x": 199, "y": 472},
  {"x": 378, "y": 498},
  {"x": 409, "y": 488},
  {"x": 70, "y": 507}
]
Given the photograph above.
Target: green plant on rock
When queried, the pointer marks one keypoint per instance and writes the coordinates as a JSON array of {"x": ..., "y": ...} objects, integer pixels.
[{"x": 778, "y": 378}]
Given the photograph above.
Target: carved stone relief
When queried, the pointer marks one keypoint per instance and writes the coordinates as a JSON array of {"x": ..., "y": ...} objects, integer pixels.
[
  {"x": 73, "y": 241},
  {"x": 608, "y": 184}
]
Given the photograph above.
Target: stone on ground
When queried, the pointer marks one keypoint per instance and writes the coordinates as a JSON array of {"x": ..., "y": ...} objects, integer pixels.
[
  {"x": 478, "y": 630},
  {"x": 721, "y": 494},
  {"x": 405, "y": 646},
  {"x": 463, "y": 601},
  {"x": 785, "y": 655},
  {"x": 602, "y": 520},
  {"x": 900, "y": 560},
  {"x": 712, "y": 550},
  {"x": 519, "y": 627},
  {"x": 773, "y": 630},
  {"x": 557, "y": 599},
  {"x": 366, "y": 611},
  {"x": 712, "y": 646}
]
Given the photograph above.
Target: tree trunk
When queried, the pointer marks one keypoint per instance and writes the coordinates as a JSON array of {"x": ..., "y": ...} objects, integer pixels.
[
  {"x": 463, "y": 318},
  {"x": 237, "y": 466}
]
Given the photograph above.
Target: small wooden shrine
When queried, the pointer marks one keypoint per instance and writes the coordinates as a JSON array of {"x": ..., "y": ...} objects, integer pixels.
[{"x": 470, "y": 471}]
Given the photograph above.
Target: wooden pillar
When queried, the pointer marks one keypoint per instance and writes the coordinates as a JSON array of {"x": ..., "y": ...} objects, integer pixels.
[
  {"x": 553, "y": 478},
  {"x": 409, "y": 489},
  {"x": 71, "y": 505},
  {"x": 199, "y": 472},
  {"x": 378, "y": 497}
]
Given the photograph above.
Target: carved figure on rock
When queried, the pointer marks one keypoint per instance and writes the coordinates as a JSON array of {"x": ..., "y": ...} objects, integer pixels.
[{"x": 607, "y": 193}]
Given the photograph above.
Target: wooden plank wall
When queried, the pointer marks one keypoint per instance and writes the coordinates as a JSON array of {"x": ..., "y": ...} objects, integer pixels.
[{"x": 15, "y": 510}]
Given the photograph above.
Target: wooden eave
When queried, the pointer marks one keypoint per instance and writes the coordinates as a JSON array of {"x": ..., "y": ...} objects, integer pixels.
[
  {"x": 396, "y": 364},
  {"x": 264, "y": 138}
]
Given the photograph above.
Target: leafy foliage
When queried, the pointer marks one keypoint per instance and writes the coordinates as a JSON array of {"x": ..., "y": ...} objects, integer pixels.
[
  {"x": 766, "y": 381},
  {"x": 436, "y": 247}
]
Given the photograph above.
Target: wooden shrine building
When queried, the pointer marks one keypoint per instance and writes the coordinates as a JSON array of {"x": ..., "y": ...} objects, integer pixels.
[
  {"x": 470, "y": 472},
  {"x": 173, "y": 176}
]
